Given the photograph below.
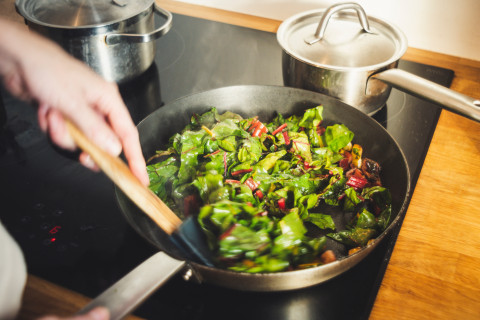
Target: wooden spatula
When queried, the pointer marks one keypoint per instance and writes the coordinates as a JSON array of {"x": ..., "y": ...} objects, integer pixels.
[{"x": 186, "y": 234}]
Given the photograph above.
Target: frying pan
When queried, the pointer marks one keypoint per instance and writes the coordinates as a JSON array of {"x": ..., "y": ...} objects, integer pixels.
[{"x": 266, "y": 102}]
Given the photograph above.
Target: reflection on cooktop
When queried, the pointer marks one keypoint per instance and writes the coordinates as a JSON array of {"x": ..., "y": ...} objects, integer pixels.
[
  {"x": 142, "y": 94},
  {"x": 393, "y": 108},
  {"x": 169, "y": 55}
]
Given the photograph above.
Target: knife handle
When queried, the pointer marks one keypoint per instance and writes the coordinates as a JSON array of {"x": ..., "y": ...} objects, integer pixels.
[{"x": 121, "y": 175}]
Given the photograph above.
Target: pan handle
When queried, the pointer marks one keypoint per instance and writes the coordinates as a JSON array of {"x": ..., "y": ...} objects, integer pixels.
[
  {"x": 425, "y": 89},
  {"x": 131, "y": 290}
]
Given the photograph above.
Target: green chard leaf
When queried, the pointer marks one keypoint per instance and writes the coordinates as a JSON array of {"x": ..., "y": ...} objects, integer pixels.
[
  {"x": 191, "y": 148},
  {"x": 379, "y": 195},
  {"x": 228, "y": 144},
  {"x": 207, "y": 119},
  {"x": 267, "y": 163},
  {"x": 366, "y": 220},
  {"x": 383, "y": 219},
  {"x": 312, "y": 117},
  {"x": 301, "y": 145},
  {"x": 207, "y": 184},
  {"x": 251, "y": 150},
  {"x": 356, "y": 237},
  {"x": 323, "y": 221},
  {"x": 337, "y": 137},
  {"x": 334, "y": 190},
  {"x": 161, "y": 176},
  {"x": 351, "y": 200},
  {"x": 242, "y": 240}
]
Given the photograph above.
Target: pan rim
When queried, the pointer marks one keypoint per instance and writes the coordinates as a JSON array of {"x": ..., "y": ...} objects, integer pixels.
[{"x": 344, "y": 263}]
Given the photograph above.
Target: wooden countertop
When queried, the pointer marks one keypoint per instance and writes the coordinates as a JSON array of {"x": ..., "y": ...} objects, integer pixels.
[{"x": 434, "y": 271}]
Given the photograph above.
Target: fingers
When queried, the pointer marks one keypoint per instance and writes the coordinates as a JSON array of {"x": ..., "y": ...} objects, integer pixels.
[
  {"x": 122, "y": 134},
  {"x": 51, "y": 120},
  {"x": 122, "y": 124},
  {"x": 94, "y": 125},
  {"x": 99, "y": 313},
  {"x": 133, "y": 153},
  {"x": 42, "y": 117},
  {"x": 128, "y": 135},
  {"x": 88, "y": 162}
]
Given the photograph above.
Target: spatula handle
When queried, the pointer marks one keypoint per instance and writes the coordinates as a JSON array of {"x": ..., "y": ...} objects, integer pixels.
[{"x": 121, "y": 175}]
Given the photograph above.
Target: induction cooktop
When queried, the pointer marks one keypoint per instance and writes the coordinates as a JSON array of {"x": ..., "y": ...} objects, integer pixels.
[{"x": 72, "y": 232}]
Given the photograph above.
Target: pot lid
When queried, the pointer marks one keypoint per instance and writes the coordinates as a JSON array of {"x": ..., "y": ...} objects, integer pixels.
[
  {"x": 341, "y": 40},
  {"x": 80, "y": 13}
]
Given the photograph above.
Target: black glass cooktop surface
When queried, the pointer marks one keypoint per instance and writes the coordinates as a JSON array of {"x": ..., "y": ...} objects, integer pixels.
[{"x": 72, "y": 232}]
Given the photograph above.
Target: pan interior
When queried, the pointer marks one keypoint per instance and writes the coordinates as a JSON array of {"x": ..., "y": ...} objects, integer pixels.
[{"x": 266, "y": 101}]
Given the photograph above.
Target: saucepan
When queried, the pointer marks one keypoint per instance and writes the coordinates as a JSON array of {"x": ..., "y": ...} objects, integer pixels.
[
  {"x": 248, "y": 101},
  {"x": 346, "y": 54},
  {"x": 116, "y": 38}
]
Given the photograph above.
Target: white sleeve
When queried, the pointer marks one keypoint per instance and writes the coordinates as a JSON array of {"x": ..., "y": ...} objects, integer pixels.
[{"x": 13, "y": 275}]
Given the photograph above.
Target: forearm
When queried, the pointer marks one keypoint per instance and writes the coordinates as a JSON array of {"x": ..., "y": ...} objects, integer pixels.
[
  {"x": 15, "y": 42},
  {"x": 8, "y": 46},
  {"x": 21, "y": 50},
  {"x": 10, "y": 31}
]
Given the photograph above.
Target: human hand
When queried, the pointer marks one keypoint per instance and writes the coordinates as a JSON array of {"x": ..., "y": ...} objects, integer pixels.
[
  {"x": 34, "y": 68},
  {"x": 99, "y": 313}
]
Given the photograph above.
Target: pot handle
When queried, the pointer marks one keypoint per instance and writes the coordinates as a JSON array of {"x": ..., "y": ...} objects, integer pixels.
[
  {"x": 425, "y": 89},
  {"x": 322, "y": 26},
  {"x": 131, "y": 290},
  {"x": 116, "y": 38}
]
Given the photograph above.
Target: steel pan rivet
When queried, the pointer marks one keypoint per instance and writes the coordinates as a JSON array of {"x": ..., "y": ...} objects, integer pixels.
[{"x": 187, "y": 275}]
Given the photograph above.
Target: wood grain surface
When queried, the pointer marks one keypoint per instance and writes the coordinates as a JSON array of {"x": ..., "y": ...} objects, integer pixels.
[
  {"x": 45, "y": 298},
  {"x": 434, "y": 271}
]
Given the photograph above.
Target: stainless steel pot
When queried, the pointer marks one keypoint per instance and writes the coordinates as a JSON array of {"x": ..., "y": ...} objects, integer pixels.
[
  {"x": 352, "y": 57},
  {"x": 115, "y": 38}
]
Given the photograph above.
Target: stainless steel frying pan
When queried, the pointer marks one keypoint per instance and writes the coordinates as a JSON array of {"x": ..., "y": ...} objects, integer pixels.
[{"x": 264, "y": 101}]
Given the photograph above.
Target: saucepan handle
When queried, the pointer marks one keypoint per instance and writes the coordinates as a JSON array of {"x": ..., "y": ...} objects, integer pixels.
[
  {"x": 131, "y": 290},
  {"x": 425, "y": 89},
  {"x": 115, "y": 38}
]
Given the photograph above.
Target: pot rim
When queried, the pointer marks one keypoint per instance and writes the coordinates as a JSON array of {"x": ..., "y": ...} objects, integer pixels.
[
  {"x": 21, "y": 8},
  {"x": 400, "y": 41}
]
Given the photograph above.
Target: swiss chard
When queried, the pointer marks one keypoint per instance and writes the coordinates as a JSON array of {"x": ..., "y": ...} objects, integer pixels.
[
  {"x": 258, "y": 186},
  {"x": 337, "y": 137}
]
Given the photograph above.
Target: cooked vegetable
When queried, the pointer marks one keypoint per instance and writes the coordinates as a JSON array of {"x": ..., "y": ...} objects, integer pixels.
[{"x": 258, "y": 189}]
